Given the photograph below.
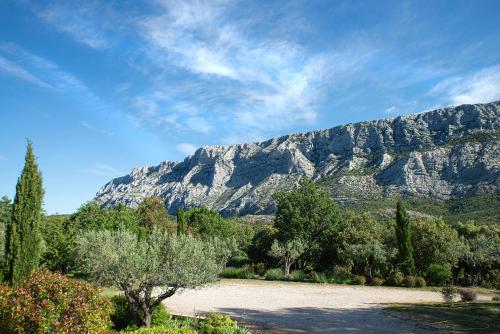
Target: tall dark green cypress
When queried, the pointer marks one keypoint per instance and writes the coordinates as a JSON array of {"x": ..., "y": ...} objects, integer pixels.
[
  {"x": 181, "y": 222},
  {"x": 403, "y": 235},
  {"x": 23, "y": 238}
]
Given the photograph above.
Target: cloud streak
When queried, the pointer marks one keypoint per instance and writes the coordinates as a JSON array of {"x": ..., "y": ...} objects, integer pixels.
[
  {"x": 186, "y": 148},
  {"x": 92, "y": 128},
  {"x": 100, "y": 169}
]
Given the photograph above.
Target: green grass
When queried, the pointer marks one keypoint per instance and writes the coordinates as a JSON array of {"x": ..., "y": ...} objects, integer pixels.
[
  {"x": 476, "y": 317},
  {"x": 110, "y": 292}
]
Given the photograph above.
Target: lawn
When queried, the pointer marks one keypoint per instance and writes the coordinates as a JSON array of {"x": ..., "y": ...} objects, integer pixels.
[{"x": 474, "y": 317}]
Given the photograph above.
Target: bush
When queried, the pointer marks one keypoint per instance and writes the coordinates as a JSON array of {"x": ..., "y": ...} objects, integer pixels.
[
  {"x": 410, "y": 281},
  {"x": 216, "y": 323},
  {"x": 397, "y": 279},
  {"x": 377, "y": 281},
  {"x": 259, "y": 268},
  {"x": 438, "y": 274},
  {"x": 274, "y": 274},
  {"x": 341, "y": 275},
  {"x": 496, "y": 298},
  {"x": 243, "y": 273},
  {"x": 321, "y": 278},
  {"x": 467, "y": 295},
  {"x": 359, "y": 280},
  {"x": 52, "y": 303},
  {"x": 122, "y": 318},
  {"x": 298, "y": 275},
  {"x": 161, "y": 330},
  {"x": 421, "y": 283},
  {"x": 448, "y": 293},
  {"x": 238, "y": 261}
]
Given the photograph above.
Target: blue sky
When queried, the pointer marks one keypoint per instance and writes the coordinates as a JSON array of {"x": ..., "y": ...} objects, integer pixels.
[{"x": 104, "y": 86}]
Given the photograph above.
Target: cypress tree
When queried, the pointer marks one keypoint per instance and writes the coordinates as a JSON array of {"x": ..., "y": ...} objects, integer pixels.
[
  {"x": 181, "y": 222},
  {"x": 23, "y": 238},
  {"x": 403, "y": 235}
]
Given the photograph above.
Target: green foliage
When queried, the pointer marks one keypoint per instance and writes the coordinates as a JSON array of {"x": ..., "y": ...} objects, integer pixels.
[
  {"x": 123, "y": 318},
  {"x": 410, "y": 281},
  {"x": 307, "y": 213},
  {"x": 359, "y": 280},
  {"x": 403, "y": 234},
  {"x": 362, "y": 244},
  {"x": 239, "y": 261},
  {"x": 340, "y": 275},
  {"x": 23, "y": 238},
  {"x": 467, "y": 295},
  {"x": 420, "y": 282},
  {"x": 288, "y": 252},
  {"x": 181, "y": 222},
  {"x": 163, "y": 329},
  {"x": 5, "y": 216},
  {"x": 436, "y": 242},
  {"x": 298, "y": 275},
  {"x": 90, "y": 216},
  {"x": 152, "y": 214},
  {"x": 59, "y": 239},
  {"x": 261, "y": 244},
  {"x": 137, "y": 265},
  {"x": 483, "y": 254},
  {"x": 449, "y": 293},
  {"x": 397, "y": 278},
  {"x": 243, "y": 273},
  {"x": 321, "y": 278},
  {"x": 52, "y": 303},
  {"x": 274, "y": 274},
  {"x": 438, "y": 274},
  {"x": 377, "y": 281},
  {"x": 216, "y": 323}
]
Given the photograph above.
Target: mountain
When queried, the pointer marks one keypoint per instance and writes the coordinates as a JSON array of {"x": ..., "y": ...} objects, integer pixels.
[{"x": 444, "y": 154}]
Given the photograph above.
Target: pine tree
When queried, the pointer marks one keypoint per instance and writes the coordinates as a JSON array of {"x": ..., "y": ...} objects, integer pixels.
[
  {"x": 181, "y": 222},
  {"x": 23, "y": 238},
  {"x": 403, "y": 235}
]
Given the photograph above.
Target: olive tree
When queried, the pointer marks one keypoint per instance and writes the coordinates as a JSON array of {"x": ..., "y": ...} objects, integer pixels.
[
  {"x": 149, "y": 269},
  {"x": 287, "y": 252}
]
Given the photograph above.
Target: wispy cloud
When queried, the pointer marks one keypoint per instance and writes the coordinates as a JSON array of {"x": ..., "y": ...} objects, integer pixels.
[
  {"x": 37, "y": 70},
  {"x": 257, "y": 84},
  {"x": 21, "y": 73},
  {"x": 100, "y": 169},
  {"x": 479, "y": 87},
  {"x": 77, "y": 21},
  {"x": 186, "y": 148},
  {"x": 92, "y": 128}
]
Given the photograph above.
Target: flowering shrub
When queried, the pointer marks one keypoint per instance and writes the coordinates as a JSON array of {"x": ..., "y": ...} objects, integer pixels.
[{"x": 52, "y": 303}]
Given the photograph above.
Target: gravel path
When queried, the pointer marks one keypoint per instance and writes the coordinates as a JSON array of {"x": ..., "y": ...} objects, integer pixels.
[{"x": 278, "y": 307}]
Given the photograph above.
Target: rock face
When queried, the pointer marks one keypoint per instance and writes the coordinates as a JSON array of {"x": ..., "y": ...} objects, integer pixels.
[{"x": 441, "y": 154}]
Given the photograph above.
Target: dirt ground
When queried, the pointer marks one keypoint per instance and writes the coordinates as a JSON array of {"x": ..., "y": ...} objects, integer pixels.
[{"x": 286, "y": 307}]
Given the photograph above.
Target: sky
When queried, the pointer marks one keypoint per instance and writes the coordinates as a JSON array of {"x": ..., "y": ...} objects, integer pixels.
[{"x": 101, "y": 87}]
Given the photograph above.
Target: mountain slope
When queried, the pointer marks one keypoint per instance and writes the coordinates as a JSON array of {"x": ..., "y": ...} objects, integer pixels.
[{"x": 442, "y": 154}]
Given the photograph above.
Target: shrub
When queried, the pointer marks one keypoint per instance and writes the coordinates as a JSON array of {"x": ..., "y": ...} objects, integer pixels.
[
  {"x": 52, "y": 303},
  {"x": 495, "y": 298},
  {"x": 238, "y": 261},
  {"x": 420, "y": 282},
  {"x": 216, "y": 323},
  {"x": 397, "y": 279},
  {"x": 274, "y": 274},
  {"x": 438, "y": 274},
  {"x": 298, "y": 275},
  {"x": 341, "y": 275},
  {"x": 243, "y": 273},
  {"x": 122, "y": 318},
  {"x": 161, "y": 330},
  {"x": 321, "y": 278},
  {"x": 259, "y": 268},
  {"x": 377, "y": 281},
  {"x": 410, "y": 281},
  {"x": 359, "y": 280},
  {"x": 467, "y": 295},
  {"x": 448, "y": 293}
]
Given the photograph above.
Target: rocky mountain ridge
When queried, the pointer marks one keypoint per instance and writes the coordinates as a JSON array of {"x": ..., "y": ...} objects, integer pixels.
[{"x": 441, "y": 154}]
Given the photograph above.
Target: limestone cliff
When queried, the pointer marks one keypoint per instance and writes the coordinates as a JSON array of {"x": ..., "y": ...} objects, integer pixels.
[{"x": 442, "y": 154}]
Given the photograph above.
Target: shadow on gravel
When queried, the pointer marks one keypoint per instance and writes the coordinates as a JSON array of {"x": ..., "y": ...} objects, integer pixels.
[{"x": 321, "y": 320}]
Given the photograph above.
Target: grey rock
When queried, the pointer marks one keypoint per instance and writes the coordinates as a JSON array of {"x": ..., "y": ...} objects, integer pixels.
[{"x": 441, "y": 154}]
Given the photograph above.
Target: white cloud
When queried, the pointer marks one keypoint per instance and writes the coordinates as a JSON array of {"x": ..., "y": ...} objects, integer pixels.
[
  {"x": 263, "y": 83},
  {"x": 479, "y": 87},
  {"x": 21, "y": 73},
  {"x": 76, "y": 21},
  {"x": 100, "y": 169},
  {"x": 391, "y": 110},
  {"x": 186, "y": 148},
  {"x": 90, "y": 127}
]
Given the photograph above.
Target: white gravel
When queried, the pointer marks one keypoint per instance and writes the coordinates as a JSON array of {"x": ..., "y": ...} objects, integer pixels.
[{"x": 302, "y": 307}]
